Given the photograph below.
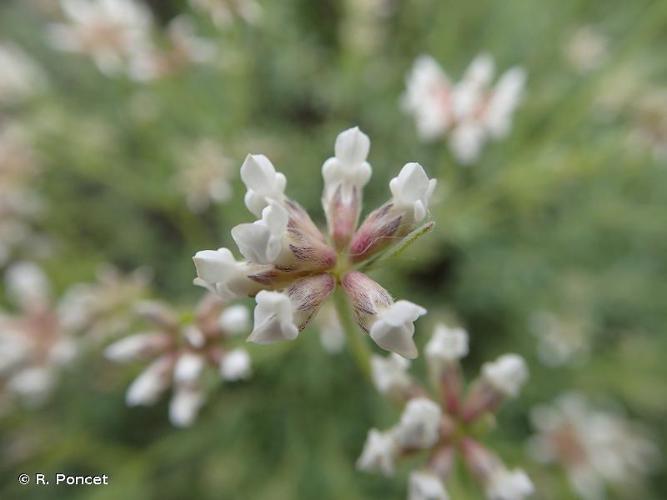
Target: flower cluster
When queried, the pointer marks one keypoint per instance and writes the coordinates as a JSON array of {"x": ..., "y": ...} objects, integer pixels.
[
  {"x": 181, "y": 354},
  {"x": 33, "y": 343},
  {"x": 470, "y": 111},
  {"x": 446, "y": 425},
  {"x": 117, "y": 35},
  {"x": 594, "y": 446},
  {"x": 20, "y": 77},
  {"x": 291, "y": 268}
]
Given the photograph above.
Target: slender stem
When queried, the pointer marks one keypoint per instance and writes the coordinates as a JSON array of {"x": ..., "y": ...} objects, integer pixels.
[{"x": 355, "y": 341}]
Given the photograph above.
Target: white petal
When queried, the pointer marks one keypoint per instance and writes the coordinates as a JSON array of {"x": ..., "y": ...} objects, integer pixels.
[
  {"x": 426, "y": 486},
  {"x": 390, "y": 374},
  {"x": 188, "y": 368},
  {"x": 379, "y": 453},
  {"x": 446, "y": 345},
  {"x": 184, "y": 406},
  {"x": 274, "y": 318},
  {"x": 466, "y": 142},
  {"x": 509, "y": 485},
  {"x": 352, "y": 146},
  {"x": 264, "y": 184},
  {"x": 220, "y": 271},
  {"x": 131, "y": 348},
  {"x": 150, "y": 384},
  {"x": 507, "y": 374},
  {"x": 27, "y": 284},
  {"x": 412, "y": 190},
  {"x": 235, "y": 320},
  {"x": 262, "y": 241},
  {"x": 393, "y": 329},
  {"x": 420, "y": 424},
  {"x": 235, "y": 365}
]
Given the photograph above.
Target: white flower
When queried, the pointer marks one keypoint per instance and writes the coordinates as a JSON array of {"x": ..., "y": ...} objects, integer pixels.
[
  {"x": 33, "y": 384},
  {"x": 188, "y": 368},
  {"x": 419, "y": 426},
  {"x": 235, "y": 319},
  {"x": 261, "y": 242},
  {"x": 379, "y": 453},
  {"x": 394, "y": 328},
  {"x": 507, "y": 374},
  {"x": 426, "y": 486},
  {"x": 150, "y": 384},
  {"x": 20, "y": 76},
  {"x": 112, "y": 32},
  {"x": 274, "y": 318},
  {"x": 132, "y": 347},
  {"x": 221, "y": 273},
  {"x": 349, "y": 168},
  {"x": 470, "y": 90},
  {"x": 390, "y": 374},
  {"x": 504, "y": 100},
  {"x": 412, "y": 190},
  {"x": 27, "y": 285},
  {"x": 235, "y": 365},
  {"x": 264, "y": 184},
  {"x": 504, "y": 484},
  {"x": 184, "y": 406},
  {"x": 466, "y": 142},
  {"x": 446, "y": 345}
]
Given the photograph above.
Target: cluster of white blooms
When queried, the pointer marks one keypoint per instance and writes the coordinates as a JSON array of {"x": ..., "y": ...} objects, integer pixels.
[
  {"x": 439, "y": 425},
  {"x": 20, "y": 76},
  {"x": 204, "y": 176},
  {"x": 594, "y": 447},
  {"x": 104, "y": 307},
  {"x": 33, "y": 343},
  {"x": 223, "y": 12},
  {"x": 469, "y": 112},
  {"x": 18, "y": 202},
  {"x": 291, "y": 268},
  {"x": 117, "y": 35},
  {"x": 181, "y": 354}
]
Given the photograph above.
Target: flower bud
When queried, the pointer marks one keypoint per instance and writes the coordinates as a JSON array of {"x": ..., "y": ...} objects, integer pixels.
[
  {"x": 185, "y": 405},
  {"x": 136, "y": 347},
  {"x": 506, "y": 375},
  {"x": 390, "y": 374},
  {"x": 447, "y": 345},
  {"x": 389, "y": 323},
  {"x": 235, "y": 365},
  {"x": 221, "y": 273},
  {"x": 273, "y": 318},
  {"x": 189, "y": 366},
  {"x": 151, "y": 383},
  {"x": 234, "y": 320},
  {"x": 262, "y": 241}
]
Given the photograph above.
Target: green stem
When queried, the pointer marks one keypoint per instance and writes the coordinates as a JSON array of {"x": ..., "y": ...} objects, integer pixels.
[{"x": 357, "y": 344}]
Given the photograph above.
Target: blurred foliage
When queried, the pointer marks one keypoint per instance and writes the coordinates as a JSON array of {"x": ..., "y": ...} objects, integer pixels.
[{"x": 566, "y": 215}]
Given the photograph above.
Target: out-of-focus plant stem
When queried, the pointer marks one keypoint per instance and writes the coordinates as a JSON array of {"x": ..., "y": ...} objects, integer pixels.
[{"x": 355, "y": 342}]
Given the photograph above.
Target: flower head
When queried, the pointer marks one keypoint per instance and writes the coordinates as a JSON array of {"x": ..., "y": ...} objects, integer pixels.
[
  {"x": 441, "y": 425},
  {"x": 291, "y": 267},
  {"x": 181, "y": 354},
  {"x": 470, "y": 111}
]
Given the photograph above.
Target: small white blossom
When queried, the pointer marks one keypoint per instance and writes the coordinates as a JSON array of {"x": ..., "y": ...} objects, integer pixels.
[
  {"x": 184, "y": 406},
  {"x": 261, "y": 242},
  {"x": 274, "y": 318},
  {"x": 235, "y": 365},
  {"x": 150, "y": 384},
  {"x": 188, "y": 368},
  {"x": 235, "y": 319},
  {"x": 264, "y": 184},
  {"x": 446, "y": 345},
  {"x": 379, "y": 453},
  {"x": 419, "y": 426},
  {"x": 504, "y": 484},
  {"x": 132, "y": 347},
  {"x": 390, "y": 373},
  {"x": 394, "y": 328},
  {"x": 20, "y": 77},
  {"x": 27, "y": 285},
  {"x": 412, "y": 190},
  {"x": 220, "y": 272},
  {"x": 348, "y": 169},
  {"x": 425, "y": 485},
  {"x": 507, "y": 374}
]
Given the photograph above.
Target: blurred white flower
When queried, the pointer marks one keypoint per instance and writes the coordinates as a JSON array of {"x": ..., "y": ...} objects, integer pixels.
[
  {"x": 20, "y": 77},
  {"x": 426, "y": 486},
  {"x": 560, "y": 339},
  {"x": 507, "y": 374},
  {"x": 379, "y": 453},
  {"x": 111, "y": 32},
  {"x": 204, "y": 175},
  {"x": 595, "y": 447},
  {"x": 471, "y": 112},
  {"x": 290, "y": 267},
  {"x": 223, "y": 12},
  {"x": 587, "y": 49},
  {"x": 443, "y": 424},
  {"x": 332, "y": 336},
  {"x": 182, "y": 354}
]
